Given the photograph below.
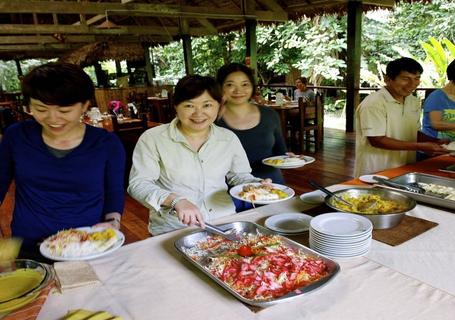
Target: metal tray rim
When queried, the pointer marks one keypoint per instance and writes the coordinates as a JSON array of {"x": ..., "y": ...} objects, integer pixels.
[
  {"x": 424, "y": 198},
  {"x": 264, "y": 303}
]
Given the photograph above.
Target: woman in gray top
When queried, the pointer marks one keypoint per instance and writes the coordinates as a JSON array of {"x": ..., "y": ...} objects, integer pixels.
[{"x": 258, "y": 127}]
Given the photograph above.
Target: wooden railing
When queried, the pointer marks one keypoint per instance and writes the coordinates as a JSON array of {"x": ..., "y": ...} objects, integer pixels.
[{"x": 327, "y": 90}]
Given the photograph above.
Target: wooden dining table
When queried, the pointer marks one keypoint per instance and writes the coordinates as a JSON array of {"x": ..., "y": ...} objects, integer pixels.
[
  {"x": 158, "y": 108},
  {"x": 149, "y": 279},
  {"x": 283, "y": 112}
]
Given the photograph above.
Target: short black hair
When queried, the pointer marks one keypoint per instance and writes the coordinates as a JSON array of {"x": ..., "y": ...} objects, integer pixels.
[
  {"x": 227, "y": 69},
  {"x": 193, "y": 86},
  {"x": 304, "y": 80},
  {"x": 402, "y": 64},
  {"x": 451, "y": 71},
  {"x": 58, "y": 83}
]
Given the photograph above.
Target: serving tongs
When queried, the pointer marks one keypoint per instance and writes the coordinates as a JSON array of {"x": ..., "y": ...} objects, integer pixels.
[
  {"x": 415, "y": 188},
  {"x": 229, "y": 234},
  {"x": 330, "y": 193}
]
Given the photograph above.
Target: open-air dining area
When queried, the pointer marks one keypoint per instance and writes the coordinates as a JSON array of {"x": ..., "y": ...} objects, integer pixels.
[{"x": 231, "y": 159}]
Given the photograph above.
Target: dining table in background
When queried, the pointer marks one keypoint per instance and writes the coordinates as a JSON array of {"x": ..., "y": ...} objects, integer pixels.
[
  {"x": 159, "y": 109},
  {"x": 284, "y": 112},
  {"x": 149, "y": 279}
]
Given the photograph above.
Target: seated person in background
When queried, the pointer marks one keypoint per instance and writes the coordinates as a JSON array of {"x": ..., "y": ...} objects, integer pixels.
[
  {"x": 302, "y": 90},
  {"x": 67, "y": 174},
  {"x": 180, "y": 169},
  {"x": 388, "y": 122},
  {"x": 439, "y": 109}
]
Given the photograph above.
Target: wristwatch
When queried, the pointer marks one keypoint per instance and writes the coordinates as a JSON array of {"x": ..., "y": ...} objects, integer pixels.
[
  {"x": 175, "y": 201},
  {"x": 113, "y": 219}
]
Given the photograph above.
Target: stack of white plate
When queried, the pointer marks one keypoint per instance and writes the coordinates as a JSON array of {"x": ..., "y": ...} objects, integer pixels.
[
  {"x": 289, "y": 224},
  {"x": 339, "y": 234}
]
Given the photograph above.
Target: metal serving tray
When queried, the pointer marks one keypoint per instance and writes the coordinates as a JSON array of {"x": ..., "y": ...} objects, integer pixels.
[
  {"x": 414, "y": 177},
  {"x": 240, "y": 227}
]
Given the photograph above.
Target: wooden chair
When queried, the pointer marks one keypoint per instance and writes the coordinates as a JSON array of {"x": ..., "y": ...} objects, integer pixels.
[
  {"x": 310, "y": 124},
  {"x": 129, "y": 132},
  {"x": 161, "y": 109}
]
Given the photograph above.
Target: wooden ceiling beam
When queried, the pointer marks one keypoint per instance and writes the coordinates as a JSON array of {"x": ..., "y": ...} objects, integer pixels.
[
  {"x": 38, "y": 47},
  {"x": 43, "y": 39},
  {"x": 12, "y": 40},
  {"x": 208, "y": 25},
  {"x": 80, "y": 29},
  {"x": 134, "y": 9},
  {"x": 272, "y": 5}
]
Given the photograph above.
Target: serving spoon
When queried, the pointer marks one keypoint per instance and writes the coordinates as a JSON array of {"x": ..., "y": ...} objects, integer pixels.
[{"x": 330, "y": 193}]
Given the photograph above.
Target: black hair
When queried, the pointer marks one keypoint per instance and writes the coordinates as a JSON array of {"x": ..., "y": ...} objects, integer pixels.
[
  {"x": 451, "y": 71},
  {"x": 193, "y": 86},
  {"x": 227, "y": 69},
  {"x": 58, "y": 83},
  {"x": 402, "y": 64},
  {"x": 303, "y": 79}
]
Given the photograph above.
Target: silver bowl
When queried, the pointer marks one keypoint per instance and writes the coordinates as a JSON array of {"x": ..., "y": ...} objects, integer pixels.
[{"x": 379, "y": 220}]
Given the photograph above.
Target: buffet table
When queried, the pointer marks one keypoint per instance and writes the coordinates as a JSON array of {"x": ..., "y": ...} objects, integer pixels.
[{"x": 150, "y": 280}]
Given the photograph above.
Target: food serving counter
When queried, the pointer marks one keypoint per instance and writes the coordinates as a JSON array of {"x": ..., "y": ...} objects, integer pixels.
[{"x": 151, "y": 280}]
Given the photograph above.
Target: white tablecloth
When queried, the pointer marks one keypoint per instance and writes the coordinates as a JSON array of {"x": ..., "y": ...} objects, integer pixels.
[{"x": 150, "y": 280}]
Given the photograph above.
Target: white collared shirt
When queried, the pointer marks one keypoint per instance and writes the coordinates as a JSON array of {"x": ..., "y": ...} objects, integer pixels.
[
  {"x": 164, "y": 163},
  {"x": 380, "y": 114}
]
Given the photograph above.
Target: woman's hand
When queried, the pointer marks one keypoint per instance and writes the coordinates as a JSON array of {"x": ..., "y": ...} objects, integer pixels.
[
  {"x": 111, "y": 220},
  {"x": 188, "y": 213}
]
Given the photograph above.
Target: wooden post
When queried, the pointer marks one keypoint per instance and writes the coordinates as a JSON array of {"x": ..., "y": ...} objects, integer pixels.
[
  {"x": 118, "y": 68},
  {"x": 187, "y": 54},
  {"x": 18, "y": 67},
  {"x": 251, "y": 58},
  {"x": 101, "y": 78},
  {"x": 148, "y": 64},
  {"x": 354, "y": 50},
  {"x": 186, "y": 42}
]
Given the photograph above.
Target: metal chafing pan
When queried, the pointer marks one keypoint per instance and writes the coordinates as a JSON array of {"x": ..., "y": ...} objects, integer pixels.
[
  {"x": 414, "y": 177},
  {"x": 240, "y": 227}
]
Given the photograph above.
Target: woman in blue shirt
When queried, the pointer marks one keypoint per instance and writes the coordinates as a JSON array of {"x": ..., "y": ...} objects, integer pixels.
[
  {"x": 67, "y": 174},
  {"x": 439, "y": 109}
]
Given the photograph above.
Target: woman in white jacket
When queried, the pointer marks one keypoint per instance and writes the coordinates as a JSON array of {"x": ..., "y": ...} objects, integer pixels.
[{"x": 181, "y": 170}]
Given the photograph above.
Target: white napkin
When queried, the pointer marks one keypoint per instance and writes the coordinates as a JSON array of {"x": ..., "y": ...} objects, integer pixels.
[{"x": 74, "y": 274}]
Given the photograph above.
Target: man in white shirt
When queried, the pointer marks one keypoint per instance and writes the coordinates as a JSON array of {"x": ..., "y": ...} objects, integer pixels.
[{"x": 388, "y": 121}]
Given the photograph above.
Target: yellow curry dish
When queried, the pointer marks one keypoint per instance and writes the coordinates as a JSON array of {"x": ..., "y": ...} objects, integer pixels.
[
  {"x": 15, "y": 285},
  {"x": 369, "y": 204}
]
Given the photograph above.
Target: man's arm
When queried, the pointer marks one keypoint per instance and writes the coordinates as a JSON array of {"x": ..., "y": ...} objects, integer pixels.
[{"x": 384, "y": 142}]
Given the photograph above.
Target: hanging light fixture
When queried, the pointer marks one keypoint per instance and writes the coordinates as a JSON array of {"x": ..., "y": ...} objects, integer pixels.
[{"x": 107, "y": 24}]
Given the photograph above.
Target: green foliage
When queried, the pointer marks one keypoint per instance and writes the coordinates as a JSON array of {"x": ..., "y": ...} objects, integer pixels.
[
  {"x": 9, "y": 80},
  {"x": 311, "y": 46},
  {"x": 439, "y": 57},
  {"x": 400, "y": 33},
  {"x": 334, "y": 105}
]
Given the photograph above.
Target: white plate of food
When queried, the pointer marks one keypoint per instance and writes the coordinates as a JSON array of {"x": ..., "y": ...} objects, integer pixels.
[
  {"x": 450, "y": 146},
  {"x": 288, "y": 162},
  {"x": 288, "y": 223},
  {"x": 83, "y": 243},
  {"x": 259, "y": 193},
  {"x": 368, "y": 178}
]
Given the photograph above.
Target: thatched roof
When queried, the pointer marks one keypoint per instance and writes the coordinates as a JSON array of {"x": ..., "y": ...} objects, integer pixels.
[
  {"x": 98, "y": 51},
  {"x": 53, "y": 28}
]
